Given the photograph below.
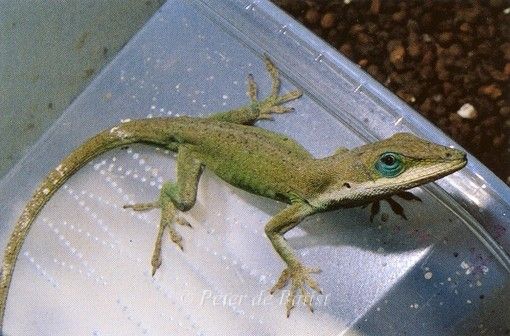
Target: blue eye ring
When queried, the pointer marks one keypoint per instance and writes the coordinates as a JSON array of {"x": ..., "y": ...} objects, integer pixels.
[{"x": 389, "y": 164}]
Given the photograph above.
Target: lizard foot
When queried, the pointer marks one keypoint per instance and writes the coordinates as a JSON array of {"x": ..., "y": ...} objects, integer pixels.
[
  {"x": 274, "y": 104},
  {"x": 299, "y": 277},
  {"x": 166, "y": 223},
  {"x": 169, "y": 217},
  {"x": 271, "y": 104}
]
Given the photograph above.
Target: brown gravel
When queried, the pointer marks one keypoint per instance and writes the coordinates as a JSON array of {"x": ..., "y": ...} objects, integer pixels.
[{"x": 435, "y": 55}]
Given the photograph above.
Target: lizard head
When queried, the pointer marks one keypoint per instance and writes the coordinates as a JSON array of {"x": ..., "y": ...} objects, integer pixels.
[{"x": 404, "y": 161}]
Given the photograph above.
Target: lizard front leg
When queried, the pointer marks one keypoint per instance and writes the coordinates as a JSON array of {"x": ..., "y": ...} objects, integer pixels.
[
  {"x": 296, "y": 272},
  {"x": 174, "y": 196}
]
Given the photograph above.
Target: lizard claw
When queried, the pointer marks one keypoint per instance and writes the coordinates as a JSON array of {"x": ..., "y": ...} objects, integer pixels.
[
  {"x": 299, "y": 277},
  {"x": 176, "y": 238},
  {"x": 182, "y": 221},
  {"x": 289, "y": 96}
]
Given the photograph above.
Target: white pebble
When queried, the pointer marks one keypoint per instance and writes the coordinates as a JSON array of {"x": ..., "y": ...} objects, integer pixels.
[{"x": 467, "y": 111}]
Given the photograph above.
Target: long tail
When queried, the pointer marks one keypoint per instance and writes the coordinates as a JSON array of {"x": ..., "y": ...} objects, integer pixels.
[{"x": 156, "y": 131}]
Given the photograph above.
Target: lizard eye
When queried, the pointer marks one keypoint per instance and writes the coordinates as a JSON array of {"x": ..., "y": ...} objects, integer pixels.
[{"x": 389, "y": 164}]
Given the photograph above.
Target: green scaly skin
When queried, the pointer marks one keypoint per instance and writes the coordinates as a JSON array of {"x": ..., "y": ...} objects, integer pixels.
[{"x": 256, "y": 160}]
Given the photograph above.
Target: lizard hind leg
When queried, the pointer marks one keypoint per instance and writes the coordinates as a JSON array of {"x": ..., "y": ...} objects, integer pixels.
[
  {"x": 263, "y": 108},
  {"x": 174, "y": 198},
  {"x": 273, "y": 103}
]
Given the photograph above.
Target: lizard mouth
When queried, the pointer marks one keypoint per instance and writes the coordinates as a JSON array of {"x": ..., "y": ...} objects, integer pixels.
[
  {"x": 448, "y": 166},
  {"x": 438, "y": 170},
  {"x": 456, "y": 163}
]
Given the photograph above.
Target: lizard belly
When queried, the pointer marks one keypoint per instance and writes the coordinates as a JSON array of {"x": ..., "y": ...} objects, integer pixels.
[{"x": 257, "y": 173}]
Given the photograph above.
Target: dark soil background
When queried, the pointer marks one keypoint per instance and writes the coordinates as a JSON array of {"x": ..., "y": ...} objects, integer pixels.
[{"x": 438, "y": 56}]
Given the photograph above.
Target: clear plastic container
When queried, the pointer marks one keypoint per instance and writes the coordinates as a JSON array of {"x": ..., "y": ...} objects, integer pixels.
[{"x": 85, "y": 266}]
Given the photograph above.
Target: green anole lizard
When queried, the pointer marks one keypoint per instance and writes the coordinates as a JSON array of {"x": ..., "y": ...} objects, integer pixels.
[{"x": 256, "y": 160}]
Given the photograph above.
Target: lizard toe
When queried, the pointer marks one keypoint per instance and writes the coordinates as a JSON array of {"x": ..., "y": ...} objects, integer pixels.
[{"x": 299, "y": 277}]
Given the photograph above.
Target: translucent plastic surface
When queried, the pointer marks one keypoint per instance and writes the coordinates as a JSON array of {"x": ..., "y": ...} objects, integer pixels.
[{"x": 85, "y": 267}]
